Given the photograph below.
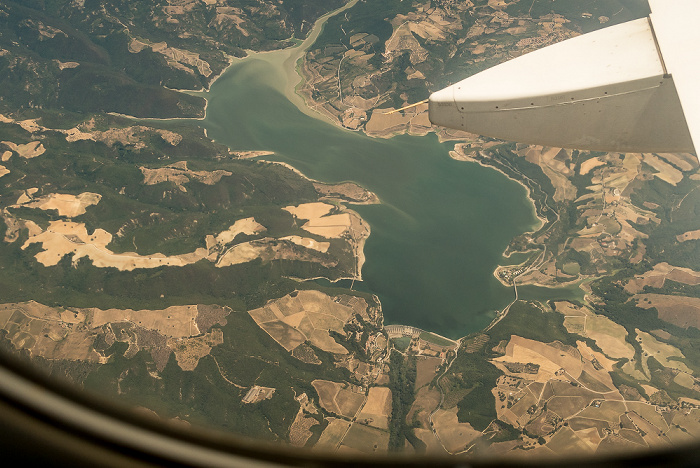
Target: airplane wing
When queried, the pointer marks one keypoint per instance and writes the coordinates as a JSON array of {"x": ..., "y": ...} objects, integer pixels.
[
  {"x": 628, "y": 88},
  {"x": 676, "y": 28}
]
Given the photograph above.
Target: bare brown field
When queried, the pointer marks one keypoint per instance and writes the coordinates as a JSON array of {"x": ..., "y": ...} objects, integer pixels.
[
  {"x": 633, "y": 436},
  {"x": 589, "y": 164},
  {"x": 608, "y": 335},
  {"x": 304, "y": 316},
  {"x": 337, "y": 399},
  {"x": 75, "y": 346},
  {"x": 246, "y": 226},
  {"x": 688, "y": 236},
  {"x": 40, "y": 330},
  {"x": 357, "y": 304},
  {"x": 656, "y": 278},
  {"x": 536, "y": 388},
  {"x": 682, "y": 311},
  {"x": 609, "y": 411},
  {"x": 56, "y": 333},
  {"x": 504, "y": 413},
  {"x": 6, "y": 312},
  {"x": 690, "y": 422},
  {"x": 35, "y": 310},
  {"x": 617, "y": 444},
  {"x": 367, "y": 439},
  {"x": 626, "y": 423},
  {"x": 652, "y": 435},
  {"x": 304, "y": 325},
  {"x": 590, "y": 437},
  {"x": 575, "y": 325},
  {"x": 525, "y": 400},
  {"x": 506, "y": 449},
  {"x": 310, "y": 211},
  {"x": 331, "y": 226},
  {"x": 65, "y": 204},
  {"x": 321, "y": 321},
  {"x": 63, "y": 238},
  {"x": 564, "y": 388},
  {"x": 568, "y": 406},
  {"x": 377, "y": 409},
  {"x": 454, "y": 435},
  {"x": 27, "y": 151},
  {"x": 684, "y": 161},
  {"x": 566, "y": 442},
  {"x": 333, "y": 434},
  {"x": 175, "y": 321},
  {"x": 326, "y": 393},
  {"x": 649, "y": 413},
  {"x": 345, "y": 451},
  {"x": 684, "y": 379},
  {"x": 263, "y": 315},
  {"x": 349, "y": 402},
  {"x": 678, "y": 437},
  {"x": 382, "y": 124},
  {"x": 321, "y": 339},
  {"x": 425, "y": 370},
  {"x": 666, "y": 172},
  {"x": 578, "y": 424},
  {"x": 590, "y": 382},
  {"x": 549, "y": 358}
]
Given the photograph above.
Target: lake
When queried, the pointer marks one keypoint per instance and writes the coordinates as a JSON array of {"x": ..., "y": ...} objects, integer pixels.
[{"x": 442, "y": 225}]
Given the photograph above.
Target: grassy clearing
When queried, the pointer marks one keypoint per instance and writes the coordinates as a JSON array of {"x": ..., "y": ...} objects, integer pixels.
[
  {"x": 435, "y": 339},
  {"x": 367, "y": 439}
]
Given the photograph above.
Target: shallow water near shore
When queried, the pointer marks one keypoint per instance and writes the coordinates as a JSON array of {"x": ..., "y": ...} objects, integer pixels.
[{"x": 442, "y": 225}]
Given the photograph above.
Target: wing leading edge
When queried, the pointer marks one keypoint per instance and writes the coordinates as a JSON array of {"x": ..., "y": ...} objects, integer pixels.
[{"x": 616, "y": 89}]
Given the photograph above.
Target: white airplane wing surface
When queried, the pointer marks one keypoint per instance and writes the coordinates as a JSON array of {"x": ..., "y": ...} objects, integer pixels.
[
  {"x": 677, "y": 30},
  {"x": 631, "y": 87}
]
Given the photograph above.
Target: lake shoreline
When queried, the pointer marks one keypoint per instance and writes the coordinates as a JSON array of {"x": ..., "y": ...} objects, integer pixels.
[{"x": 358, "y": 247}]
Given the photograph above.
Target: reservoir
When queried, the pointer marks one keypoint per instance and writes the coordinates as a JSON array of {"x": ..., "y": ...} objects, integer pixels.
[{"x": 442, "y": 225}]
